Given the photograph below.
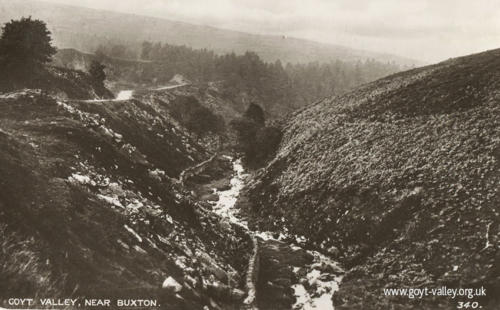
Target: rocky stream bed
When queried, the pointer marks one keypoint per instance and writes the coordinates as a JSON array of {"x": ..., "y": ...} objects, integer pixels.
[{"x": 288, "y": 276}]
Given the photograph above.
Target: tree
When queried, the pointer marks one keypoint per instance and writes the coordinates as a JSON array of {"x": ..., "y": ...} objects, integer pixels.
[
  {"x": 147, "y": 47},
  {"x": 267, "y": 139},
  {"x": 256, "y": 141},
  {"x": 97, "y": 73},
  {"x": 246, "y": 131},
  {"x": 255, "y": 113},
  {"x": 25, "y": 46}
]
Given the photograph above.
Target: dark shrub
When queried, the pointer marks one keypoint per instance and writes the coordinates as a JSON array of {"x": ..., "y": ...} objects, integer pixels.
[
  {"x": 196, "y": 117},
  {"x": 97, "y": 73},
  {"x": 255, "y": 113},
  {"x": 255, "y": 140},
  {"x": 202, "y": 120},
  {"x": 267, "y": 140}
]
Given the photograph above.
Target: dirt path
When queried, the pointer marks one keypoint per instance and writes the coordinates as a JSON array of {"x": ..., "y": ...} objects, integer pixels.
[
  {"x": 170, "y": 87},
  {"x": 124, "y": 95},
  {"x": 128, "y": 94}
]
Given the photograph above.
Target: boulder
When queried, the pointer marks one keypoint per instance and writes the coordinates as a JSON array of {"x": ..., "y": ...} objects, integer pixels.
[{"x": 172, "y": 285}]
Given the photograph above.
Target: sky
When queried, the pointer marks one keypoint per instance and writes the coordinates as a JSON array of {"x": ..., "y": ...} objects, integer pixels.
[{"x": 425, "y": 30}]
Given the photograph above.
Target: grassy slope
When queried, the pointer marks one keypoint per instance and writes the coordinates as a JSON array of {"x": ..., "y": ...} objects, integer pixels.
[
  {"x": 402, "y": 176},
  {"x": 61, "y": 82},
  {"x": 73, "y": 174}
]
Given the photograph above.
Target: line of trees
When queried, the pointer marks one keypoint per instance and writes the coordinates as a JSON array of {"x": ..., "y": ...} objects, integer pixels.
[{"x": 279, "y": 88}]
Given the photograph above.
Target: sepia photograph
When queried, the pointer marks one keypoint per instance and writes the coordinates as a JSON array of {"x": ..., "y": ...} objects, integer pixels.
[{"x": 250, "y": 154}]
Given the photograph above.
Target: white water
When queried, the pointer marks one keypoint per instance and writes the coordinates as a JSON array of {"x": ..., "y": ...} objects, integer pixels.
[
  {"x": 321, "y": 283},
  {"x": 227, "y": 199},
  {"x": 321, "y": 277}
]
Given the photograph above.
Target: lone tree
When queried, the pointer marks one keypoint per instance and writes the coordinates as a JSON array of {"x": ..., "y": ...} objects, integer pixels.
[
  {"x": 97, "y": 73},
  {"x": 254, "y": 139},
  {"x": 255, "y": 113},
  {"x": 25, "y": 46}
]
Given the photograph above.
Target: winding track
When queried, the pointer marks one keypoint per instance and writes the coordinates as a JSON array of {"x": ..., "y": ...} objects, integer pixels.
[{"x": 129, "y": 93}]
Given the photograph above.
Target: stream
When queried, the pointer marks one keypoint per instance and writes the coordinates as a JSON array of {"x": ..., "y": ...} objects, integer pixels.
[{"x": 317, "y": 281}]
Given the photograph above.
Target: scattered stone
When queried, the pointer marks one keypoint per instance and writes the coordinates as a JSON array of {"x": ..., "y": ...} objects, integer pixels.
[{"x": 171, "y": 285}]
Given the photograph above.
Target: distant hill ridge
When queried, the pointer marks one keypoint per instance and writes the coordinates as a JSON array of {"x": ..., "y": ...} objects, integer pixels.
[{"x": 85, "y": 29}]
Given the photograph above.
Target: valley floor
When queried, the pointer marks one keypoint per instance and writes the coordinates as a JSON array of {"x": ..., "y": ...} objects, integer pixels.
[{"x": 289, "y": 276}]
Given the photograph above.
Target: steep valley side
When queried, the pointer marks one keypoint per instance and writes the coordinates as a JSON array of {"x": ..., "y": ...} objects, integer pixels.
[
  {"x": 399, "y": 180},
  {"x": 91, "y": 205}
]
